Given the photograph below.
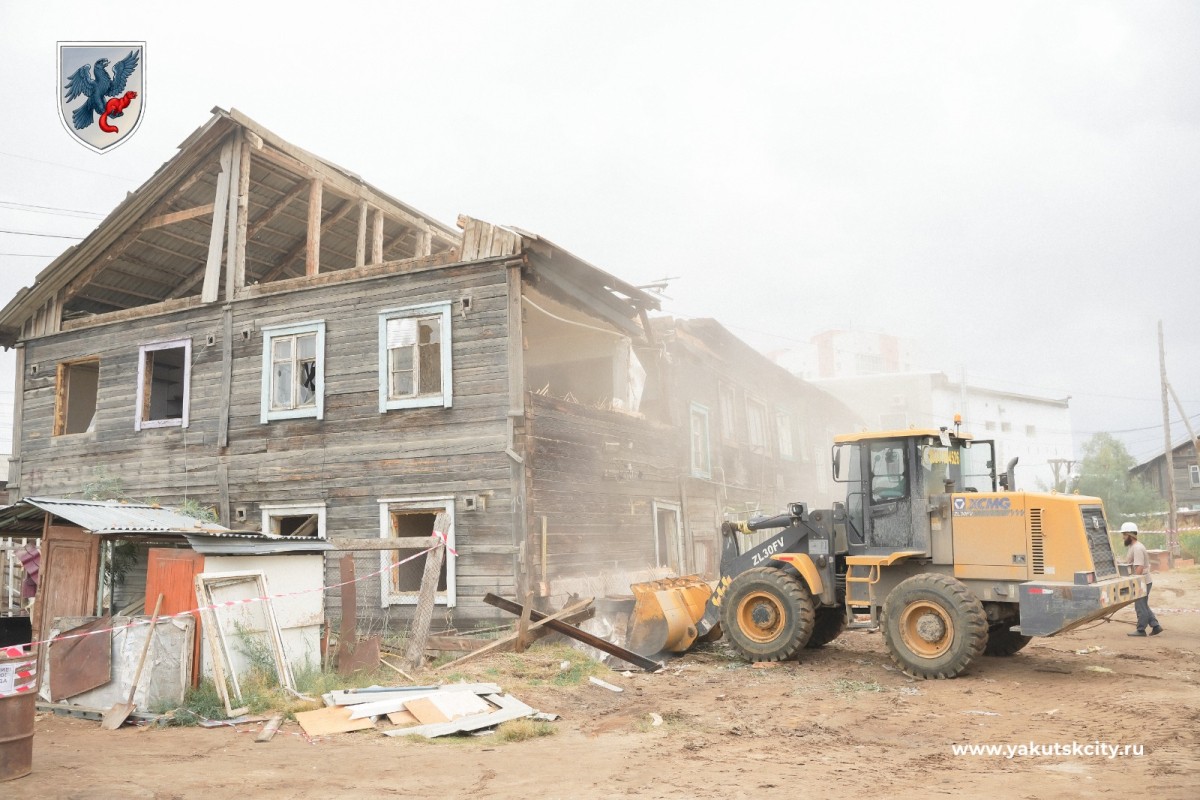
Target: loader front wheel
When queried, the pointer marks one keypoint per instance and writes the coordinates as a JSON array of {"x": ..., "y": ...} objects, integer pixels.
[
  {"x": 767, "y": 614},
  {"x": 1003, "y": 642},
  {"x": 933, "y": 626},
  {"x": 829, "y": 624}
]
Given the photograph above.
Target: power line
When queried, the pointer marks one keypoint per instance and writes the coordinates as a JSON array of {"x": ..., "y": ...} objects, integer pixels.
[
  {"x": 68, "y": 166},
  {"x": 28, "y": 255},
  {"x": 45, "y": 235},
  {"x": 57, "y": 210}
]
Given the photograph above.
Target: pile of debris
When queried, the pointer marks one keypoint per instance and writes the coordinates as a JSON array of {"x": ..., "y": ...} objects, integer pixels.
[{"x": 428, "y": 711}]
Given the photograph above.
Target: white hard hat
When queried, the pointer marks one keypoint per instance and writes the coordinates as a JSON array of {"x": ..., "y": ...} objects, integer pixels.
[{"x": 1129, "y": 527}]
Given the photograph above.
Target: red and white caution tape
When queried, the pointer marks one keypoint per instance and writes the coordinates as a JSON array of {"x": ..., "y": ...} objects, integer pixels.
[{"x": 16, "y": 651}]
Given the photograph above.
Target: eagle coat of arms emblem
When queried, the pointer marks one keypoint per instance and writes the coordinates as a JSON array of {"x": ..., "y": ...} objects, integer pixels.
[{"x": 101, "y": 94}]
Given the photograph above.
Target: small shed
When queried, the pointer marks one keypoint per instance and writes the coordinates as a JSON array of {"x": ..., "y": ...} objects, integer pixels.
[{"x": 114, "y": 559}]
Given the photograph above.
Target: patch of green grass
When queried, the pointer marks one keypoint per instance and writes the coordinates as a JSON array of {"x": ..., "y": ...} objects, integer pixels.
[
  {"x": 519, "y": 730},
  {"x": 848, "y": 686}
]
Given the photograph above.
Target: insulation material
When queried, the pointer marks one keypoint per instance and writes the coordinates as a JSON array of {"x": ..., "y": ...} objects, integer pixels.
[{"x": 165, "y": 676}]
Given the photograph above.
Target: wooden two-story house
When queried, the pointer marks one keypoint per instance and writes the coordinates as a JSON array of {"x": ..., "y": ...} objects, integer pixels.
[{"x": 266, "y": 333}]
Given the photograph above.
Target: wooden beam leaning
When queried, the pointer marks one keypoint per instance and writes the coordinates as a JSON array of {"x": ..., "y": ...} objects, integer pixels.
[
  {"x": 243, "y": 220},
  {"x": 540, "y": 621},
  {"x": 575, "y": 633},
  {"x": 423, "y": 615},
  {"x": 163, "y": 220},
  {"x": 212, "y": 269},
  {"x": 235, "y": 180},
  {"x": 312, "y": 250}
]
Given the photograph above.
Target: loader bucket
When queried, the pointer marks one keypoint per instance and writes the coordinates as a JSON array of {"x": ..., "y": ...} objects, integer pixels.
[{"x": 665, "y": 613}]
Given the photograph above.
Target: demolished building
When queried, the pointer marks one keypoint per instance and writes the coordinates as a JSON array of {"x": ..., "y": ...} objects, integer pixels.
[{"x": 265, "y": 333}]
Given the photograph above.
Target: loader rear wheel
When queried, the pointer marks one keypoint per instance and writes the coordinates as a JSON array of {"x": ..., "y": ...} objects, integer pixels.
[
  {"x": 1003, "y": 642},
  {"x": 934, "y": 627},
  {"x": 767, "y": 614},
  {"x": 829, "y": 624}
]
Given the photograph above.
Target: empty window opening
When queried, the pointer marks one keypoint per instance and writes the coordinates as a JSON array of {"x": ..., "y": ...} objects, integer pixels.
[
  {"x": 302, "y": 521},
  {"x": 756, "y": 423},
  {"x": 414, "y": 357},
  {"x": 668, "y": 539},
  {"x": 163, "y": 377},
  {"x": 75, "y": 400},
  {"x": 412, "y": 521},
  {"x": 701, "y": 454}
]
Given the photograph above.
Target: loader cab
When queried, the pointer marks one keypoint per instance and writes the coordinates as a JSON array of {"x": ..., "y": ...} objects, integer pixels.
[{"x": 892, "y": 478}]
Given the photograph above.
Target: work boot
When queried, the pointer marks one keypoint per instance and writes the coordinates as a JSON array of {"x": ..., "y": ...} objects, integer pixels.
[
  {"x": 1156, "y": 630},
  {"x": 1138, "y": 632}
]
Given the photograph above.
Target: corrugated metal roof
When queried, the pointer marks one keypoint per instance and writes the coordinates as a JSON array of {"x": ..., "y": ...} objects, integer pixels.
[
  {"x": 112, "y": 516},
  {"x": 254, "y": 544}
]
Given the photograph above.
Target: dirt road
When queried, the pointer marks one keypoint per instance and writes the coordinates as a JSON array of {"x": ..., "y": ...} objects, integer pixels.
[{"x": 840, "y": 722}]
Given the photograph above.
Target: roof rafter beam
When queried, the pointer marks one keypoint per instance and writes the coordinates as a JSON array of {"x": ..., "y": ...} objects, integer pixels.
[
  {"x": 177, "y": 216},
  {"x": 350, "y": 188},
  {"x": 587, "y": 301},
  {"x": 274, "y": 211},
  {"x": 301, "y": 247}
]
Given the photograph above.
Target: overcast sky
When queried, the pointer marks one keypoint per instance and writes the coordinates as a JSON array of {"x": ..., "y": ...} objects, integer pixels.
[{"x": 1014, "y": 186}]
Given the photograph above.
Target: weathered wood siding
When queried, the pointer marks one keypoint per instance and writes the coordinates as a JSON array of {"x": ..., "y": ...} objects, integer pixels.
[
  {"x": 349, "y": 460},
  {"x": 594, "y": 475}
]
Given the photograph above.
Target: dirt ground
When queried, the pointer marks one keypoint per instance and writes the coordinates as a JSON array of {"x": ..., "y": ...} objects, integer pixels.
[{"x": 841, "y": 721}]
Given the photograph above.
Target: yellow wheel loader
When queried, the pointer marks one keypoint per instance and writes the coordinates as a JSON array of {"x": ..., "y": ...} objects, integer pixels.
[{"x": 932, "y": 545}]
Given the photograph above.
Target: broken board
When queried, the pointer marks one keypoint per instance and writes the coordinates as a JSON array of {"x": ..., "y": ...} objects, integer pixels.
[
  {"x": 402, "y": 718},
  {"x": 446, "y": 707},
  {"x": 335, "y": 719}
]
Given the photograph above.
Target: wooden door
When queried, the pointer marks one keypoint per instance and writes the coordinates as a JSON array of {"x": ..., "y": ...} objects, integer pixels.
[
  {"x": 69, "y": 571},
  {"x": 171, "y": 572}
]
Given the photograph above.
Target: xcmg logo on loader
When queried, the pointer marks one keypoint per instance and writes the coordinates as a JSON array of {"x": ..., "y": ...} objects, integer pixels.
[{"x": 986, "y": 507}]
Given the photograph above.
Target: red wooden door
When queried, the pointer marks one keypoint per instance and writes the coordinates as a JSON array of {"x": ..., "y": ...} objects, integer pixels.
[{"x": 171, "y": 573}]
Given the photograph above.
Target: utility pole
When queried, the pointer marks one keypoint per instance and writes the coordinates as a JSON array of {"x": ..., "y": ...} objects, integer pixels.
[
  {"x": 1172, "y": 517},
  {"x": 1195, "y": 448},
  {"x": 1062, "y": 478}
]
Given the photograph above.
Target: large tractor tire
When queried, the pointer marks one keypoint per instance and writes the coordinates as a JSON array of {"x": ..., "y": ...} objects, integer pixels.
[
  {"x": 934, "y": 627},
  {"x": 767, "y": 614},
  {"x": 829, "y": 624},
  {"x": 1003, "y": 642}
]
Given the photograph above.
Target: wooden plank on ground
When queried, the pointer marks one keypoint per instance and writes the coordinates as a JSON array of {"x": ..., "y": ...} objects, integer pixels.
[
  {"x": 270, "y": 729},
  {"x": 334, "y": 719}
]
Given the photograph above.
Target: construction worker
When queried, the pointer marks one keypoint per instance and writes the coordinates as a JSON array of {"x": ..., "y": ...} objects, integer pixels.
[{"x": 1137, "y": 557}]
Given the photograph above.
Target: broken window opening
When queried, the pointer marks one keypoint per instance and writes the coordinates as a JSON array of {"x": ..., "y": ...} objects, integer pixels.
[
  {"x": 294, "y": 520},
  {"x": 75, "y": 398},
  {"x": 414, "y": 357},
  {"x": 293, "y": 359},
  {"x": 401, "y": 581},
  {"x": 668, "y": 538},
  {"x": 164, "y": 375},
  {"x": 756, "y": 423},
  {"x": 783, "y": 429}
]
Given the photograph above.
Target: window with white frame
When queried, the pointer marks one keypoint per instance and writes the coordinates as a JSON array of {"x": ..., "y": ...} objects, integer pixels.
[
  {"x": 410, "y": 520},
  {"x": 164, "y": 382},
  {"x": 756, "y": 423},
  {"x": 701, "y": 454},
  {"x": 298, "y": 520},
  {"x": 414, "y": 357},
  {"x": 783, "y": 430},
  {"x": 1194, "y": 475},
  {"x": 293, "y": 381}
]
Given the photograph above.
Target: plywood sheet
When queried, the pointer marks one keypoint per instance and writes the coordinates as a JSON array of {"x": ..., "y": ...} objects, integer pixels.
[
  {"x": 334, "y": 719},
  {"x": 402, "y": 718}
]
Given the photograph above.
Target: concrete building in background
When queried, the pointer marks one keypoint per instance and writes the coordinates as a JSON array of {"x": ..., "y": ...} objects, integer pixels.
[{"x": 872, "y": 374}]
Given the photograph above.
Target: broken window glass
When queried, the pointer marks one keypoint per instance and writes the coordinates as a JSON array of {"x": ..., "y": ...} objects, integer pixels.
[
  {"x": 414, "y": 357},
  {"x": 293, "y": 371}
]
